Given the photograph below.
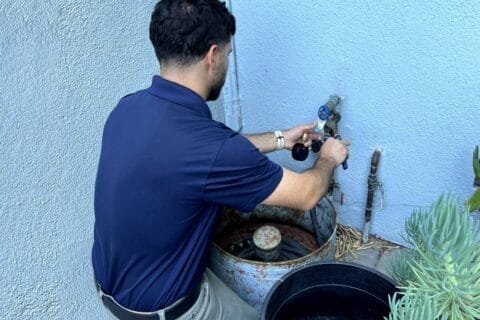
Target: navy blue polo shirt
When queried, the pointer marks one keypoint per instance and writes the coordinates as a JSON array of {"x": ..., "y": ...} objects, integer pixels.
[{"x": 165, "y": 169}]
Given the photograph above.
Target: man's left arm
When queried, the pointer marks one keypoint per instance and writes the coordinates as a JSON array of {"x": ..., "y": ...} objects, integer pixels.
[{"x": 271, "y": 141}]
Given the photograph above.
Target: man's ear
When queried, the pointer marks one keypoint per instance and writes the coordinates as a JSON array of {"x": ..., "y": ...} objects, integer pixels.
[{"x": 211, "y": 58}]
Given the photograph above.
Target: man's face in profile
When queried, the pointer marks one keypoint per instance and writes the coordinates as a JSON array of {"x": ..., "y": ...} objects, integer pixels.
[{"x": 221, "y": 72}]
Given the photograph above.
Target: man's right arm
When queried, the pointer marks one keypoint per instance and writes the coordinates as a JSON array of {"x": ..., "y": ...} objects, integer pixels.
[{"x": 303, "y": 190}]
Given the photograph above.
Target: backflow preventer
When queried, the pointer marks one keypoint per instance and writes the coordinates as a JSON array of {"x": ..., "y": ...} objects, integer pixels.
[
  {"x": 253, "y": 250},
  {"x": 327, "y": 125}
]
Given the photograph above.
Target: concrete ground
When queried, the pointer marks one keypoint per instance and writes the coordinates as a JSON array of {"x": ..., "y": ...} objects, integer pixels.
[
  {"x": 381, "y": 252},
  {"x": 378, "y": 254}
]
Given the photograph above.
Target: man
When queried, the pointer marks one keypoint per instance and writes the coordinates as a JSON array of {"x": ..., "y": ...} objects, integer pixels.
[{"x": 166, "y": 168}]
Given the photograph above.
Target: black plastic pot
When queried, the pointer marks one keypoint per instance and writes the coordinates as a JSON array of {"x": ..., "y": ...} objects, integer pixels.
[{"x": 330, "y": 290}]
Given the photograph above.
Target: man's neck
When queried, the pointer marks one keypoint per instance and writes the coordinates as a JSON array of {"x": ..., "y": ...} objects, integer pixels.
[{"x": 188, "y": 78}]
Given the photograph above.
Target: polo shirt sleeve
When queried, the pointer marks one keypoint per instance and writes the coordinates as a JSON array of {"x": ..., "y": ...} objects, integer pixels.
[{"x": 241, "y": 177}]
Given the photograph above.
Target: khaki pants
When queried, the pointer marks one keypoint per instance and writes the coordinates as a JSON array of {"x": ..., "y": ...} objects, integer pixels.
[{"x": 216, "y": 301}]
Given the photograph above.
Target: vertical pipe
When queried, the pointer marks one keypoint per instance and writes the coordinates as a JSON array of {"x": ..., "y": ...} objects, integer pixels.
[
  {"x": 231, "y": 95},
  {"x": 372, "y": 184}
]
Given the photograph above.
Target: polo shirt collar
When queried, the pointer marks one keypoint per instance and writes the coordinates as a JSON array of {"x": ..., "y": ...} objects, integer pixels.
[{"x": 179, "y": 94}]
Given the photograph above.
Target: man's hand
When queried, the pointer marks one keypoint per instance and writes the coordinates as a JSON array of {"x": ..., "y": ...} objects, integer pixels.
[
  {"x": 334, "y": 150},
  {"x": 266, "y": 142},
  {"x": 303, "y": 190},
  {"x": 302, "y": 133}
]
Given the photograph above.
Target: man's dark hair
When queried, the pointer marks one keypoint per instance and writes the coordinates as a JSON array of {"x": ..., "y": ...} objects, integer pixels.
[{"x": 182, "y": 31}]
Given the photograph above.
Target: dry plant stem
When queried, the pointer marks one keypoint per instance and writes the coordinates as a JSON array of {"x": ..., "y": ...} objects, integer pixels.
[{"x": 349, "y": 240}]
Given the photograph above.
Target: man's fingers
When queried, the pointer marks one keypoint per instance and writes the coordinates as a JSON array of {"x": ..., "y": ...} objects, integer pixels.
[
  {"x": 314, "y": 136},
  {"x": 308, "y": 127},
  {"x": 303, "y": 129},
  {"x": 307, "y": 138}
]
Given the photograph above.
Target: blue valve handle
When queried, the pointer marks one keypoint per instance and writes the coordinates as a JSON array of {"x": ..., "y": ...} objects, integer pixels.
[
  {"x": 324, "y": 113},
  {"x": 344, "y": 163}
]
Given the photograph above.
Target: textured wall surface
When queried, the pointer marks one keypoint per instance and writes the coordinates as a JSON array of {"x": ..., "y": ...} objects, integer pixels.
[
  {"x": 410, "y": 75},
  {"x": 64, "y": 66}
]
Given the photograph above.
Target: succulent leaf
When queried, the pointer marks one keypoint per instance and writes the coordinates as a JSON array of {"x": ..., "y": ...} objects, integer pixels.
[
  {"x": 476, "y": 163},
  {"x": 474, "y": 201},
  {"x": 440, "y": 278}
]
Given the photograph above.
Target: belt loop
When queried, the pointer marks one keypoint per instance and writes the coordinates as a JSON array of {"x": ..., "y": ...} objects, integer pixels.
[{"x": 161, "y": 314}]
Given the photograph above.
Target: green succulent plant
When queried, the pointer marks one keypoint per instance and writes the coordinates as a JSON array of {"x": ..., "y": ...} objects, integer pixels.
[
  {"x": 474, "y": 201},
  {"x": 476, "y": 163},
  {"x": 413, "y": 305},
  {"x": 440, "y": 277}
]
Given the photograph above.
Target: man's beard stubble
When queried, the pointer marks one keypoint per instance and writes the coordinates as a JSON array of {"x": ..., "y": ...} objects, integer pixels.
[{"x": 216, "y": 87}]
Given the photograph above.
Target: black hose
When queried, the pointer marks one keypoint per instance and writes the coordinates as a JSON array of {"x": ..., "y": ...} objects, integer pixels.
[{"x": 316, "y": 226}]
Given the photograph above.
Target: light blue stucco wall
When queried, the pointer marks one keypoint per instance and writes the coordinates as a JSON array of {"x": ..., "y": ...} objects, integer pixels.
[
  {"x": 410, "y": 73},
  {"x": 64, "y": 65}
]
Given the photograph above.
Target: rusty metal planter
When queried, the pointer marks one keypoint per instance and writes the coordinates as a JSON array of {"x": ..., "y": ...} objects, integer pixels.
[{"x": 252, "y": 280}]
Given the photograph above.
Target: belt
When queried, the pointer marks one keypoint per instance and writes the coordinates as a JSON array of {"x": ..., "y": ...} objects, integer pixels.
[{"x": 172, "y": 312}]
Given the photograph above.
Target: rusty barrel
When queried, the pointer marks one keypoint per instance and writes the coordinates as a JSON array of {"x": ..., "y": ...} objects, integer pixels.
[{"x": 235, "y": 259}]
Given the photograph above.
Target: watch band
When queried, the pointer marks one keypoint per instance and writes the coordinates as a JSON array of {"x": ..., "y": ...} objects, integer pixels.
[{"x": 280, "y": 140}]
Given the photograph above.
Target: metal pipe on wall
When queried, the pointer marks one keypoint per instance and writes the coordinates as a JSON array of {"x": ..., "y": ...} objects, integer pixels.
[
  {"x": 373, "y": 183},
  {"x": 231, "y": 94}
]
